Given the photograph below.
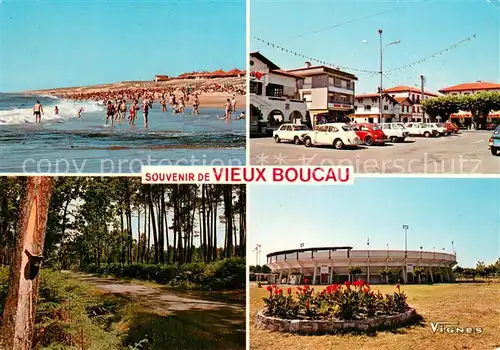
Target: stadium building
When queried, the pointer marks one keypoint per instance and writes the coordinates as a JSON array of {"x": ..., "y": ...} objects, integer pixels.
[{"x": 327, "y": 265}]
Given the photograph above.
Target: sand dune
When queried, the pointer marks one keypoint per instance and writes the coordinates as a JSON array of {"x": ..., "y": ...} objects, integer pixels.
[{"x": 212, "y": 92}]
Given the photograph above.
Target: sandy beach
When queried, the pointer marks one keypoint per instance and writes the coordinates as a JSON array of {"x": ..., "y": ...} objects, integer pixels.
[{"x": 212, "y": 92}]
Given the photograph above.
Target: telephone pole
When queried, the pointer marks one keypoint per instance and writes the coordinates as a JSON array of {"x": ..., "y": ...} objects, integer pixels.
[
  {"x": 422, "y": 97},
  {"x": 20, "y": 306}
]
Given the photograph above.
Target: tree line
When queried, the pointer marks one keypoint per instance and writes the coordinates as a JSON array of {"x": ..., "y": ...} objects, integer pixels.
[
  {"x": 92, "y": 221},
  {"x": 479, "y": 105},
  {"x": 481, "y": 270}
]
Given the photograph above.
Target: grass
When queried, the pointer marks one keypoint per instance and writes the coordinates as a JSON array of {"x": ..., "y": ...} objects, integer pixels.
[
  {"x": 72, "y": 315},
  {"x": 473, "y": 305}
]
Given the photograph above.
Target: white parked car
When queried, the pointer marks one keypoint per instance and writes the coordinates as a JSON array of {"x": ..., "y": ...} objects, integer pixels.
[
  {"x": 336, "y": 134},
  {"x": 442, "y": 130},
  {"x": 290, "y": 132},
  {"x": 421, "y": 129},
  {"x": 396, "y": 132}
]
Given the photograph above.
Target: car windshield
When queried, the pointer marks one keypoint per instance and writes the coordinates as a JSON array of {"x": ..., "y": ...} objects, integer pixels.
[
  {"x": 300, "y": 127},
  {"x": 375, "y": 127},
  {"x": 497, "y": 130},
  {"x": 347, "y": 128},
  {"x": 399, "y": 126},
  {"x": 440, "y": 125}
]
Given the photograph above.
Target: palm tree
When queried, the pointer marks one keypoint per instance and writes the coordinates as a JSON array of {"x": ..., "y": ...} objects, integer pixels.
[
  {"x": 418, "y": 271},
  {"x": 354, "y": 271},
  {"x": 385, "y": 273}
]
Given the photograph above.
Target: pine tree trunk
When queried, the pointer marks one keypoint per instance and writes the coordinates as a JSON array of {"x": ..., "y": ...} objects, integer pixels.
[
  {"x": 20, "y": 306},
  {"x": 153, "y": 225},
  {"x": 228, "y": 213}
]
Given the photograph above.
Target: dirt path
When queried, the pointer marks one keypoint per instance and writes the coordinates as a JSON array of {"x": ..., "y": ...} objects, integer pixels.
[
  {"x": 157, "y": 299},
  {"x": 183, "y": 322}
]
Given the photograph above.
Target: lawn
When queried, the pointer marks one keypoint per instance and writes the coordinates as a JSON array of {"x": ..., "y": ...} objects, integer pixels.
[{"x": 475, "y": 305}]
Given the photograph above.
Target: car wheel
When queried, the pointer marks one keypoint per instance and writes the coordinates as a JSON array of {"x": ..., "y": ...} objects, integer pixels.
[
  {"x": 494, "y": 151},
  {"x": 307, "y": 142},
  {"x": 338, "y": 144},
  {"x": 296, "y": 140},
  {"x": 394, "y": 139},
  {"x": 277, "y": 139},
  {"x": 368, "y": 141},
  {"x": 427, "y": 134},
  {"x": 401, "y": 139}
]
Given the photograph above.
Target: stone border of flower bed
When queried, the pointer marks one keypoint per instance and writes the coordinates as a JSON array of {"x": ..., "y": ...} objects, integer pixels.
[{"x": 325, "y": 326}]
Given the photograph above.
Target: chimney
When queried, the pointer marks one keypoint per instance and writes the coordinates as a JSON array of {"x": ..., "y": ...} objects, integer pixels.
[{"x": 307, "y": 64}]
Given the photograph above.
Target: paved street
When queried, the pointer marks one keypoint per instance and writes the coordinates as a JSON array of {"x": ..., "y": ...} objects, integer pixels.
[{"x": 466, "y": 153}]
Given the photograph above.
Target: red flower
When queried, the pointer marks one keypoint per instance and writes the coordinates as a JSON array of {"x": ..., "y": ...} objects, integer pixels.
[
  {"x": 306, "y": 281},
  {"x": 347, "y": 284},
  {"x": 289, "y": 291},
  {"x": 274, "y": 286},
  {"x": 307, "y": 304},
  {"x": 279, "y": 291},
  {"x": 269, "y": 289},
  {"x": 397, "y": 287}
]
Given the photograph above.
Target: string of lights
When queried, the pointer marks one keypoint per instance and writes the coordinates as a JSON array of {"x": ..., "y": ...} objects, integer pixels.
[
  {"x": 438, "y": 53},
  {"x": 366, "y": 71},
  {"x": 309, "y": 58}
]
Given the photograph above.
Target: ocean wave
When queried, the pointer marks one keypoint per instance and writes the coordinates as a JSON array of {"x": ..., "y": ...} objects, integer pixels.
[{"x": 67, "y": 110}]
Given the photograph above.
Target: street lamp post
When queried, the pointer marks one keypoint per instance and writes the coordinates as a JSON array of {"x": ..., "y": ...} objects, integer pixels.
[
  {"x": 382, "y": 48},
  {"x": 406, "y": 227},
  {"x": 381, "y": 75}
]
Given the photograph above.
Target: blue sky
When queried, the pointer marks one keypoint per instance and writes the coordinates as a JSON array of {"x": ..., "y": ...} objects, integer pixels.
[
  {"x": 438, "y": 211},
  {"x": 424, "y": 27},
  {"x": 47, "y": 44}
]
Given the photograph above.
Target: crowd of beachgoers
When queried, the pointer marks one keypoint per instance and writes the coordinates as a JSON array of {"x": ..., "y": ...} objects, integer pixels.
[
  {"x": 185, "y": 88},
  {"x": 123, "y": 100}
]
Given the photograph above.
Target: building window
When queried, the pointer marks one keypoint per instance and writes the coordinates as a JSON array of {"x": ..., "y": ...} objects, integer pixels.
[
  {"x": 355, "y": 108},
  {"x": 413, "y": 109},
  {"x": 274, "y": 90},
  {"x": 368, "y": 107},
  {"x": 386, "y": 108},
  {"x": 256, "y": 87},
  {"x": 418, "y": 99}
]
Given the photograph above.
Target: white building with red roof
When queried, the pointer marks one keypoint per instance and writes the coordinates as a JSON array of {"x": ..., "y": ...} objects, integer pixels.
[
  {"x": 394, "y": 109},
  {"x": 399, "y": 104},
  {"x": 274, "y": 95},
  {"x": 470, "y": 89},
  {"x": 328, "y": 92},
  {"x": 415, "y": 95}
]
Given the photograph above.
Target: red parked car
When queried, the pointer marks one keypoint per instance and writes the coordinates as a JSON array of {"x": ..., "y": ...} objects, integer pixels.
[
  {"x": 370, "y": 134},
  {"x": 452, "y": 127}
]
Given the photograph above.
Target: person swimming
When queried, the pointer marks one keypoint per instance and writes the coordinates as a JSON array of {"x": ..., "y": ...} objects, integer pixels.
[
  {"x": 123, "y": 109},
  {"x": 37, "y": 112},
  {"x": 228, "y": 109},
  {"x": 110, "y": 112},
  {"x": 163, "y": 103},
  {"x": 80, "y": 111},
  {"x": 196, "y": 105},
  {"x": 132, "y": 113},
  {"x": 56, "y": 110},
  {"x": 145, "y": 112}
]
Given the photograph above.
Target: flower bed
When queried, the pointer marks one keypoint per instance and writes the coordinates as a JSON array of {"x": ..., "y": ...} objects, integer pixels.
[{"x": 336, "y": 308}]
